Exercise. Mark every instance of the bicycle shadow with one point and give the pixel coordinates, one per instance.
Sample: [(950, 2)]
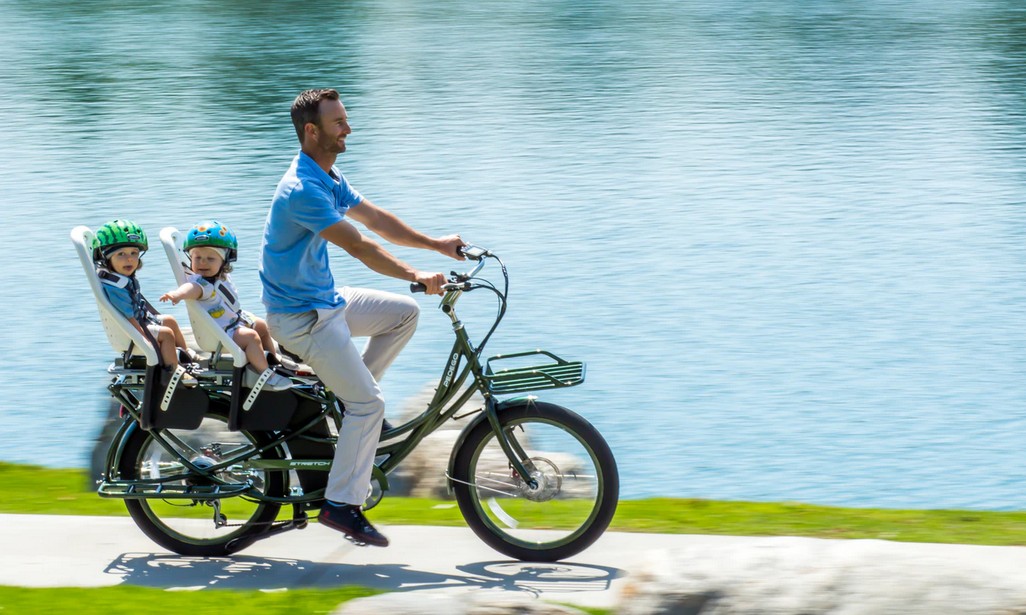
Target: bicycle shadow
[(267, 573)]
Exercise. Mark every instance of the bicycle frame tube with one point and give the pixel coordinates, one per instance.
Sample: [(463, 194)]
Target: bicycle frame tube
[(448, 398), (448, 385), (446, 402)]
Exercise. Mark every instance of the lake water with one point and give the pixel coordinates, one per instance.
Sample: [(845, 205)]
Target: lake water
[(789, 237)]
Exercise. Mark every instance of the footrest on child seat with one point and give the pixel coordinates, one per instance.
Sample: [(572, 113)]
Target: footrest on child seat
[(562, 373)]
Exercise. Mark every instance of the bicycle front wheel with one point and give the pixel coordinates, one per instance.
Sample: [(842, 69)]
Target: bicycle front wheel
[(574, 492), (208, 528)]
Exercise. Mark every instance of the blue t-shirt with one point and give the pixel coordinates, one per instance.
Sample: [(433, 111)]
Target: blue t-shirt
[(294, 265), (124, 295), (121, 298)]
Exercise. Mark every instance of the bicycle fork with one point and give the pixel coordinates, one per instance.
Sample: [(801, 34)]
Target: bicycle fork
[(514, 452)]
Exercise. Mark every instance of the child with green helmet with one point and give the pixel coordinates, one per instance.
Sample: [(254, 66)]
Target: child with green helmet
[(212, 248), (117, 251)]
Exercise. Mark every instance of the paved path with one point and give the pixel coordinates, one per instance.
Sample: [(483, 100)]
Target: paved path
[(62, 551)]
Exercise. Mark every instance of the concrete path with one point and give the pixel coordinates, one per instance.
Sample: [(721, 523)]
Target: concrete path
[(63, 551)]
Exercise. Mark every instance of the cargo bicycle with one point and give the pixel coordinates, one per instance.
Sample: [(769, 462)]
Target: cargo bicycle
[(209, 470)]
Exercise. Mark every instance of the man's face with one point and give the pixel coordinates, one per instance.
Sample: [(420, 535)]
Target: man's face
[(333, 127)]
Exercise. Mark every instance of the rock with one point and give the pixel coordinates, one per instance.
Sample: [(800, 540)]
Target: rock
[(443, 602), (422, 474), (809, 576)]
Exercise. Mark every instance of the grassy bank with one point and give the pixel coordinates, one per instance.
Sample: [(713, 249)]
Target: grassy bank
[(130, 600), (36, 490)]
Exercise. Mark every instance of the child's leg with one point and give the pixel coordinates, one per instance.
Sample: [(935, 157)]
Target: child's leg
[(260, 325), (249, 342), (169, 321), (166, 343)]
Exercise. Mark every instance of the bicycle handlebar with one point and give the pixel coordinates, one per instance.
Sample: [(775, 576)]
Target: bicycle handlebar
[(460, 281), (417, 287)]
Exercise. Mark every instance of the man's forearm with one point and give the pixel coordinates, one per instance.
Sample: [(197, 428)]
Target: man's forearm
[(390, 227), (379, 260)]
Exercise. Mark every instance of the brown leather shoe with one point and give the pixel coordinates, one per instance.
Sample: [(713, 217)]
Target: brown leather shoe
[(349, 519)]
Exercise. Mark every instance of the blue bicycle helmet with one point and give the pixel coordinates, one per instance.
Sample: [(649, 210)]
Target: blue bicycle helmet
[(212, 234)]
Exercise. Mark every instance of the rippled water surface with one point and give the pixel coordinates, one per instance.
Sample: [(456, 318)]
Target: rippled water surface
[(788, 237)]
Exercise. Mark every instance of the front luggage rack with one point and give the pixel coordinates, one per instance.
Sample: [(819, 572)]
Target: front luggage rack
[(560, 374)]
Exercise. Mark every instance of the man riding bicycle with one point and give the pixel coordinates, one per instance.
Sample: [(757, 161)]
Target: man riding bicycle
[(313, 319)]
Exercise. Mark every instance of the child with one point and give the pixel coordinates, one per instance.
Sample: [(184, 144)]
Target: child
[(117, 252), (212, 248)]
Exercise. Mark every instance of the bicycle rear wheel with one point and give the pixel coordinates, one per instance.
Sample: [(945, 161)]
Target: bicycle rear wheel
[(208, 528), (576, 491)]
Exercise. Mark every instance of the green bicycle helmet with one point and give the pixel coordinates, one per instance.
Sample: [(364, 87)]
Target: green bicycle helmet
[(212, 234), (118, 234)]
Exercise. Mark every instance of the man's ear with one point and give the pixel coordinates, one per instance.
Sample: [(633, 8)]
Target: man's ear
[(310, 130)]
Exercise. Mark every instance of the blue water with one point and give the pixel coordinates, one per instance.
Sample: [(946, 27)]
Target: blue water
[(787, 237)]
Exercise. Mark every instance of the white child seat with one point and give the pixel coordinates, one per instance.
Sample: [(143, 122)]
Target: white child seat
[(210, 336), (121, 334), (256, 409)]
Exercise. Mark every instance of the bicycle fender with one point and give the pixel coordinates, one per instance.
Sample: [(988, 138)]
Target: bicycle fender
[(117, 446), (482, 417)]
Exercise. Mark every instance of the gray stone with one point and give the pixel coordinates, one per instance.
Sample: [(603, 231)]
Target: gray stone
[(422, 473), (808, 576), (442, 602)]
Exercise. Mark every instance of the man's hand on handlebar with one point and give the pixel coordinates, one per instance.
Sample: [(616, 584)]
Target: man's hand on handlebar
[(450, 246), (432, 282)]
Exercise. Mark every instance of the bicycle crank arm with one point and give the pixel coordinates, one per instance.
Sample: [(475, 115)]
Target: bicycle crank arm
[(298, 522)]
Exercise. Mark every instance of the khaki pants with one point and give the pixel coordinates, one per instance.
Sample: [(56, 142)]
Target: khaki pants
[(323, 340)]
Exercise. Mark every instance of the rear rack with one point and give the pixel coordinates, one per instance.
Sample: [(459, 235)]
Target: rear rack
[(560, 374)]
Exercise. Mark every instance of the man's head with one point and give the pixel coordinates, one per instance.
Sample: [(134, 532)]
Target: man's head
[(320, 121)]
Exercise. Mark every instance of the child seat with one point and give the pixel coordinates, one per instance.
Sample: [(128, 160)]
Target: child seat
[(165, 402), (250, 408)]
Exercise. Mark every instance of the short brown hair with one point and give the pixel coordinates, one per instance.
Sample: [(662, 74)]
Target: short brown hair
[(306, 109)]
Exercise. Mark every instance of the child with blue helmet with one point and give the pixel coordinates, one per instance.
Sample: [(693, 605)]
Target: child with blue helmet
[(212, 248), (118, 247)]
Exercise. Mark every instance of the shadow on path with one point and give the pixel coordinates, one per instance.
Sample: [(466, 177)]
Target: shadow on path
[(241, 572)]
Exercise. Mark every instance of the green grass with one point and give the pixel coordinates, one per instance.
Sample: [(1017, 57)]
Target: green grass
[(131, 600), (30, 489), (45, 491), (794, 519)]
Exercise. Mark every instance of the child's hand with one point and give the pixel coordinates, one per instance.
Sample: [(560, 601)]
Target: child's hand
[(185, 291)]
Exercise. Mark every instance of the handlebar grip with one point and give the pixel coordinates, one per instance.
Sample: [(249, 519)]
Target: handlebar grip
[(417, 287)]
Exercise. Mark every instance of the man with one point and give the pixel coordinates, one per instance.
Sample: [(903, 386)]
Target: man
[(313, 319)]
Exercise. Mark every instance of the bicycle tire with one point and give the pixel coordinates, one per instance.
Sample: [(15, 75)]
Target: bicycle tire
[(195, 533), (577, 484)]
